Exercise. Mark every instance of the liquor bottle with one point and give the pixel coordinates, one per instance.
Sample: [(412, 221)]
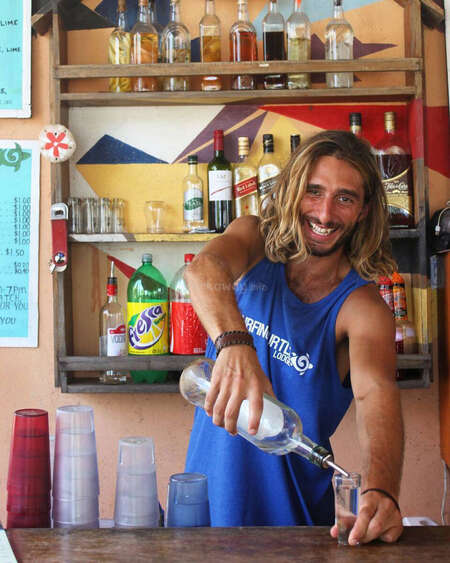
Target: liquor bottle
[(280, 430), (295, 142), (220, 205), (145, 48), (192, 196), (176, 46), (119, 49), (339, 47), (187, 335), (243, 46), (147, 317), (394, 160), (245, 182), (210, 48), (268, 169), (385, 289), (405, 332), (155, 23), (298, 28), (112, 341), (355, 122), (273, 41)]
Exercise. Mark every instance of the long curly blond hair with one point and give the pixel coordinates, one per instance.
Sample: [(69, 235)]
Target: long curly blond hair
[(369, 248)]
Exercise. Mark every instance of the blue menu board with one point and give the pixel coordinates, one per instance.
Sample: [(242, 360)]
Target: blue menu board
[(19, 243), (15, 58)]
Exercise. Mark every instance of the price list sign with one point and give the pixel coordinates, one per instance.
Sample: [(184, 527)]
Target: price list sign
[(15, 58), (19, 243)]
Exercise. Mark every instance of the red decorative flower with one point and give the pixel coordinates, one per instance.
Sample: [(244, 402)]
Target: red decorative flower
[(55, 142)]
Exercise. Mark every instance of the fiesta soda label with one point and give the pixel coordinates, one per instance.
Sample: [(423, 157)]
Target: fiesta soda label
[(187, 335), (148, 330)]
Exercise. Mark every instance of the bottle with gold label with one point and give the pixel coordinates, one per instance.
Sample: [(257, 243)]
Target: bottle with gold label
[(245, 182), (394, 160), (268, 169), (119, 49), (145, 48)]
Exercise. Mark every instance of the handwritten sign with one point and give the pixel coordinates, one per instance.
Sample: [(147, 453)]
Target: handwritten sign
[(15, 58), (19, 242)]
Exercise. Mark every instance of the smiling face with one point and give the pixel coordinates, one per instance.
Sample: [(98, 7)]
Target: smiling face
[(332, 205)]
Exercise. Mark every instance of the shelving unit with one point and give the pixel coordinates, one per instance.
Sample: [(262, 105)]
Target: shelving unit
[(409, 242)]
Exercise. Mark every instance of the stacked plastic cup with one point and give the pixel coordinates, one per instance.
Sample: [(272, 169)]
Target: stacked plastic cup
[(75, 473), (136, 503), (187, 501), (29, 484)]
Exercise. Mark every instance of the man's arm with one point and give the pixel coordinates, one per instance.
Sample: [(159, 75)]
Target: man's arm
[(237, 374), (371, 334)]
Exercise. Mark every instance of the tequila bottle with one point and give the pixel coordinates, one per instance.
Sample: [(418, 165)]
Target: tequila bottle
[(145, 48), (298, 28), (176, 48), (273, 41), (155, 23), (280, 430), (243, 46), (245, 182), (210, 48), (339, 47), (192, 196), (119, 49), (268, 169)]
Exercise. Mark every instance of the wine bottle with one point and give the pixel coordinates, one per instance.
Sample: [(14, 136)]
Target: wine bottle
[(210, 48), (243, 46), (273, 41), (220, 205), (245, 182), (298, 28), (145, 48), (339, 47), (119, 52)]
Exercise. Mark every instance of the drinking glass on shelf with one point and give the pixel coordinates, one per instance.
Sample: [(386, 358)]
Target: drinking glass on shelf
[(105, 215), (118, 215), (187, 501), (346, 499), (75, 215), (89, 215), (154, 216)]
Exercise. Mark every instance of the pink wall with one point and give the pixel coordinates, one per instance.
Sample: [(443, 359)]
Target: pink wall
[(26, 380)]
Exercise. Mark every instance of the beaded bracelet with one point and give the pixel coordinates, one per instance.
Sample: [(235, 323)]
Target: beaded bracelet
[(385, 493), (233, 338)]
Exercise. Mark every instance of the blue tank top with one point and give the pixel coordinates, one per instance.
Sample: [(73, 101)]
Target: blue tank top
[(295, 343)]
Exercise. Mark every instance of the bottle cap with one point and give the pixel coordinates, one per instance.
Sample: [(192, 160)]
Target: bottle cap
[(147, 258), (243, 145), (295, 142), (389, 117), (397, 278), (355, 118), (192, 159), (188, 258), (218, 140), (268, 142), (121, 5), (384, 280)]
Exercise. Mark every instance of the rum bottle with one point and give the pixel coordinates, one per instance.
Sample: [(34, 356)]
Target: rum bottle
[(176, 48), (268, 170), (339, 47), (394, 160), (145, 48), (298, 28), (405, 332), (192, 196), (220, 205), (245, 182), (243, 46), (273, 41), (112, 341), (210, 48), (119, 49), (355, 122)]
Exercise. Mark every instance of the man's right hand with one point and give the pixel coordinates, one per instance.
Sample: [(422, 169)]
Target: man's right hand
[(237, 375)]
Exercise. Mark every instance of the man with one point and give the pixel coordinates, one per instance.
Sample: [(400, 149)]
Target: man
[(287, 299)]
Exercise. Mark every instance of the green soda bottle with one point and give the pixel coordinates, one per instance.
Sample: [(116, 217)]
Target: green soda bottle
[(147, 318)]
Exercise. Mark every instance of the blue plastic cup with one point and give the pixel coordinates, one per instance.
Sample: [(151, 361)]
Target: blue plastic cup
[(187, 501)]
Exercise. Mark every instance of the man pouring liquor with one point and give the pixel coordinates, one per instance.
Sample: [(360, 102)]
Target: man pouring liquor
[(289, 304)]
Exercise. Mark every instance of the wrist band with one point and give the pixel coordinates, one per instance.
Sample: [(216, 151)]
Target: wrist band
[(233, 338), (386, 494)]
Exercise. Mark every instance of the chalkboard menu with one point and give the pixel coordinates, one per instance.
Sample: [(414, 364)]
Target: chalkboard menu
[(19, 243), (15, 58)]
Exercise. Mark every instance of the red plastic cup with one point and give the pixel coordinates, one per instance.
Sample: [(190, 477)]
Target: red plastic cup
[(27, 521), (32, 486), (30, 423), (29, 505)]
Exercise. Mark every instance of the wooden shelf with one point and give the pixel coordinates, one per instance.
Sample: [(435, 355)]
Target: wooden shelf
[(404, 233), (142, 237)]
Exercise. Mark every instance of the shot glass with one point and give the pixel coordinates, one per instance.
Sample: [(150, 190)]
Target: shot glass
[(346, 501), (187, 501), (154, 216)]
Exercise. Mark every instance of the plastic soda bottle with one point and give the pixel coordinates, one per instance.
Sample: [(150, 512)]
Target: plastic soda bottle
[(147, 317), (187, 335)]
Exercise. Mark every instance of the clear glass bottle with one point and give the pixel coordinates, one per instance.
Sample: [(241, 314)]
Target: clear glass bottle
[(280, 430), (176, 48), (210, 47), (119, 49), (273, 41), (339, 47), (393, 156), (245, 182), (243, 46), (355, 122), (405, 332), (192, 196), (145, 48), (112, 341), (268, 169), (298, 29), (155, 23), (220, 187)]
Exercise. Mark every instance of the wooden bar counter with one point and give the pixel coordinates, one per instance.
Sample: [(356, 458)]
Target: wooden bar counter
[(217, 545)]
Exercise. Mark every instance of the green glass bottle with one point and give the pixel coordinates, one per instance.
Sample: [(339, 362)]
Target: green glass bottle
[(220, 187), (147, 318)]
